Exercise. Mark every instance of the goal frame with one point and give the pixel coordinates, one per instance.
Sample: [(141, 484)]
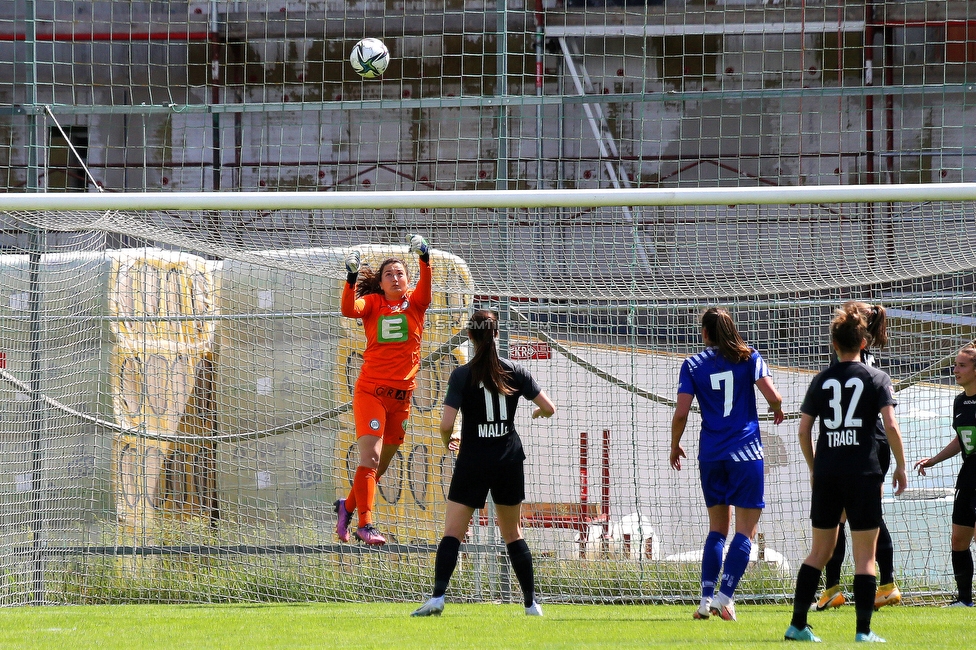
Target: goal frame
[(598, 534), (565, 198)]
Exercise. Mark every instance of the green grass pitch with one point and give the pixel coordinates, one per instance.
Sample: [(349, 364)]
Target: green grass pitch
[(481, 626)]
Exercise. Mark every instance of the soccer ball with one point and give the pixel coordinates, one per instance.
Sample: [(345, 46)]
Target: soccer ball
[(369, 58)]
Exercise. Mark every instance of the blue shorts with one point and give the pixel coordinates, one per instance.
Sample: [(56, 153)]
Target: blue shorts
[(733, 483)]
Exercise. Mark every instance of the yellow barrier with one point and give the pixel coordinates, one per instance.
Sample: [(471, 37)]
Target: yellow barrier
[(254, 351), (162, 383)]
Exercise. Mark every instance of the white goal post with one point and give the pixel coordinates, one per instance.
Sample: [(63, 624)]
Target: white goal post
[(552, 198), (175, 381)]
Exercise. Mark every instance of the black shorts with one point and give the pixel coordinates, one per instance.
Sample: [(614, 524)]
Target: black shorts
[(472, 482), (884, 456), (964, 505), (860, 496)]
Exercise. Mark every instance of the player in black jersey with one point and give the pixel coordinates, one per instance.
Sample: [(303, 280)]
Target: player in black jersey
[(486, 391), (964, 505), (888, 592), (847, 399)]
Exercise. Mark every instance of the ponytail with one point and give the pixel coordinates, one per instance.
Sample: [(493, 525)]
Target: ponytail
[(877, 327), (877, 322), (486, 365), (721, 333)]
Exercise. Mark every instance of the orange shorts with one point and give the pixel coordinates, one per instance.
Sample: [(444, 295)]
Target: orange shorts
[(381, 411)]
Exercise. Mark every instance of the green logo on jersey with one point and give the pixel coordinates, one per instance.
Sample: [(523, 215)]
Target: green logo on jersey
[(392, 329), (967, 439)]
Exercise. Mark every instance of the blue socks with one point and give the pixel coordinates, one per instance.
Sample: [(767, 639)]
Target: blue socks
[(736, 561), (711, 562)]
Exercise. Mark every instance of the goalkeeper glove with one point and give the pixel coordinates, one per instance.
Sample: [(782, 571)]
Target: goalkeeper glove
[(419, 246), (352, 266)]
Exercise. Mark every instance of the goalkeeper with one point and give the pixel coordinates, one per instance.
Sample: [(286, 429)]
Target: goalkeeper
[(393, 320), (490, 456), (730, 455)]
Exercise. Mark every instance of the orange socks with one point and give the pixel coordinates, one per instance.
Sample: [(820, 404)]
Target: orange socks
[(351, 499), (363, 494)]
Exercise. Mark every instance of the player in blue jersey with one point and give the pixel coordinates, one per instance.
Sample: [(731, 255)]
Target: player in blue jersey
[(845, 471), (964, 504), (730, 450)]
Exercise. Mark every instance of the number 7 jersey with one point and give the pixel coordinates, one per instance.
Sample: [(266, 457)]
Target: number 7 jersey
[(727, 399)]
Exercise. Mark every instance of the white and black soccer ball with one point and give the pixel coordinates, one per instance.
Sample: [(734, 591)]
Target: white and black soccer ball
[(370, 58)]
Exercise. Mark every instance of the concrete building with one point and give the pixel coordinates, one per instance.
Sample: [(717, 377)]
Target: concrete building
[(259, 96)]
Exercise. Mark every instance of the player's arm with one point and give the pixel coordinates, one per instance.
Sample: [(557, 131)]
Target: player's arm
[(349, 305), (948, 451), (678, 423), (422, 292), (806, 439), (545, 409), (452, 405), (773, 398), (448, 418), (899, 479)]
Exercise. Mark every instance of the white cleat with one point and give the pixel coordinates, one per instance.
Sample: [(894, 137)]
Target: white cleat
[(722, 607), (432, 607), (535, 609)]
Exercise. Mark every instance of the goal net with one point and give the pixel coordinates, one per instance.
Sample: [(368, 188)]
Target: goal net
[(179, 184), (176, 411)]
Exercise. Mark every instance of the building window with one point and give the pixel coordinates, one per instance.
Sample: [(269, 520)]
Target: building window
[(65, 172)]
